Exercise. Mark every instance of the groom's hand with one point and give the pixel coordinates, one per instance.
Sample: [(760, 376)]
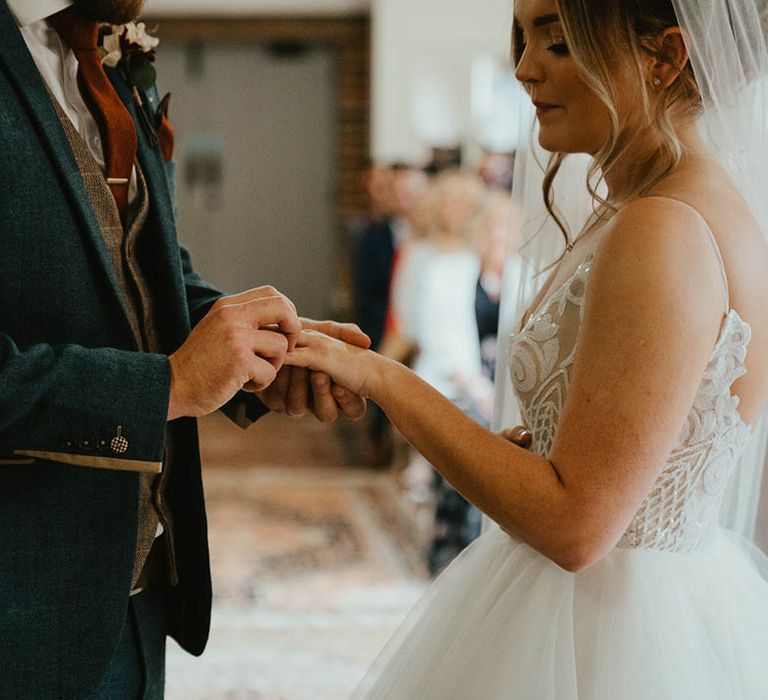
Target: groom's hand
[(296, 390), (241, 341)]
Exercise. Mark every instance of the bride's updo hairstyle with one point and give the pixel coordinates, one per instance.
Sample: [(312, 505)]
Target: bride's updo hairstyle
[(611, 41)]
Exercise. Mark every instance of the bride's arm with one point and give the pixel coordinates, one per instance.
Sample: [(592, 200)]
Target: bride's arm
[(652, 315)]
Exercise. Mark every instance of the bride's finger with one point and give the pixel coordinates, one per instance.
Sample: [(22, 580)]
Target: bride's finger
[(323, 404), (300, 357), (352, 406), (309, 338), (519, 435), (297, 399)]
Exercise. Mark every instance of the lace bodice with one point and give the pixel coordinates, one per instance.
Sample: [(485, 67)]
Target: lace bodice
[(681, 511)]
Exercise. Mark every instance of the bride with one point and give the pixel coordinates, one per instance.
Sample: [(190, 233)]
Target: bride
[(639, 368)]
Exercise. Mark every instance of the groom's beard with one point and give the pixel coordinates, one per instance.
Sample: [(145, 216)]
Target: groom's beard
[(109, 11)]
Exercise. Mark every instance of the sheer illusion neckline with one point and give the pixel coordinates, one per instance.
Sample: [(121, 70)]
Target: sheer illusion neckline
[(543, 306), (545, 302)]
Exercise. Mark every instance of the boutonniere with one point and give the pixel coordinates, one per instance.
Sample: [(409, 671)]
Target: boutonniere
[(130, 49)]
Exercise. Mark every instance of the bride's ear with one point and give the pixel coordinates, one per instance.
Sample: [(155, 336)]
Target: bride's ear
[(671, 58)]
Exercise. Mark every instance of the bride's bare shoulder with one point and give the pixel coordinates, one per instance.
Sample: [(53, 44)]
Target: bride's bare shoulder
[(681, 225), (656, 233), (655, 260), (656, 256)]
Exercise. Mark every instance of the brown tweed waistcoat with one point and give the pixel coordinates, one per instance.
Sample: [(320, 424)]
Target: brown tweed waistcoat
[(122, 245)]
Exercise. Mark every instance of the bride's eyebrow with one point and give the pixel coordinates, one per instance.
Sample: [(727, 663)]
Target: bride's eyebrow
[(544, 20), (541, 21)]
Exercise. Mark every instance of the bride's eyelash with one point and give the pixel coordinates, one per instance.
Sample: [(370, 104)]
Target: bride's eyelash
[(560, 49), (557, 44)]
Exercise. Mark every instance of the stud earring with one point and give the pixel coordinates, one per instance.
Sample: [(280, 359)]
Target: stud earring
[(657, 82)]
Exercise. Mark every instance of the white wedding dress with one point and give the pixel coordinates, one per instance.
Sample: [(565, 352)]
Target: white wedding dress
[(677, 611)]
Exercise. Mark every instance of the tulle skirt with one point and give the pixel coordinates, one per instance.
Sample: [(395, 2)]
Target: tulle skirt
[(503, 621)]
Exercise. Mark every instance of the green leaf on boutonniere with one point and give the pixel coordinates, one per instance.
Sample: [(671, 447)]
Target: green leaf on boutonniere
[(141, 72)]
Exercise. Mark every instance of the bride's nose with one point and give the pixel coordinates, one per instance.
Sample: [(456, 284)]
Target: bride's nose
[(529, 70)]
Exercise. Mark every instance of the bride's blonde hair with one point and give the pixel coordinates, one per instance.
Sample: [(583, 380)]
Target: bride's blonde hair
[(603, 35)]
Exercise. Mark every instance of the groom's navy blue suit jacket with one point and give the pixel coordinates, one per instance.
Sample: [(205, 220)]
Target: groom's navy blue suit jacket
[(70, 379)]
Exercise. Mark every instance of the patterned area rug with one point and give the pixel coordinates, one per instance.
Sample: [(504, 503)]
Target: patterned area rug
[(313, 564)]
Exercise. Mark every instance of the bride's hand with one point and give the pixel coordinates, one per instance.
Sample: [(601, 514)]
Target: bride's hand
[(349, 366)]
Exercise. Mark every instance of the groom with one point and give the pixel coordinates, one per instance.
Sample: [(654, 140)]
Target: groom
[(110, 347)]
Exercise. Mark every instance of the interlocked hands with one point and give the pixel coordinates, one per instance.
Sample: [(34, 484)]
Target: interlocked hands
[(241, 344), (297, 390)]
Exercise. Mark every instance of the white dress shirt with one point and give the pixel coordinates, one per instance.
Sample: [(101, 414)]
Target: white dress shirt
[(58, 67), (29, 11)]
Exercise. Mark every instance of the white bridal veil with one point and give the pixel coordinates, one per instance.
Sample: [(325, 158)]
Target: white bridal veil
[(727, 43)]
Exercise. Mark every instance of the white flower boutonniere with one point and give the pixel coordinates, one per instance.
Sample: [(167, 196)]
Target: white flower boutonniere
[(131, 49)]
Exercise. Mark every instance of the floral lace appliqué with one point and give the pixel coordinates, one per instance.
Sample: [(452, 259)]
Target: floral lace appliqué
[(681, 511)]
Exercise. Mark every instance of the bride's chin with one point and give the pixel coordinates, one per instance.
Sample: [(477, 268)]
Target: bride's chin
[(550, 142), (554, 142)]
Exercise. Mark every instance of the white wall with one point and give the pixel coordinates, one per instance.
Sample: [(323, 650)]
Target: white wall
[(254, 7), (423, 51)]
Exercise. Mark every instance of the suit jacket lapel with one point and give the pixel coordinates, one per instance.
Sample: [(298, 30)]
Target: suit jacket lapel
[(22, 72), (161, 203)]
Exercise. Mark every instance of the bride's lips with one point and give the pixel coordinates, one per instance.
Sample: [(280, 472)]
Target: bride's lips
[(543, 108)]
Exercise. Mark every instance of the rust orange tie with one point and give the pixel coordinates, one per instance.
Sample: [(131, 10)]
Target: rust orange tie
[(118, 132)]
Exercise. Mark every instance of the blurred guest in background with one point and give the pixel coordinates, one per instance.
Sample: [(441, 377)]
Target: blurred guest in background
[(373, 253), (377, 184), (496, 235), (496, 170), (443, 159), (394, 191), (401, 327), (445, 330), (499, 239), (433, 300), (443, 318)]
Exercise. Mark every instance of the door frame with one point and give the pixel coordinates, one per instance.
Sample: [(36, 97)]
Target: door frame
[(349, 38)]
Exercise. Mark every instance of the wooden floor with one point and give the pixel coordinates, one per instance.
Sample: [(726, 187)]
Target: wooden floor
[(314, 563)]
